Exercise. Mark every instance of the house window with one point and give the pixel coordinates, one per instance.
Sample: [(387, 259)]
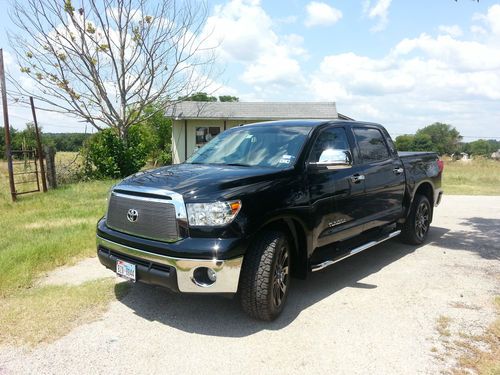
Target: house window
[(205, 134)]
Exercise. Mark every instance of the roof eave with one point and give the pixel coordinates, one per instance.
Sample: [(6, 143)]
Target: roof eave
[(253, 118)]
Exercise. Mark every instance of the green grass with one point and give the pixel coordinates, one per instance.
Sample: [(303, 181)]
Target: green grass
[(42, 231), (44, 314), (475, 177)]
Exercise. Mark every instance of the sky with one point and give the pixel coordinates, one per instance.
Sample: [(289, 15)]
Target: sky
[(404, 64)]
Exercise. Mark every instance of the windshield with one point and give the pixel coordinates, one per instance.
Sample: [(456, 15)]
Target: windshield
[(263, 146)]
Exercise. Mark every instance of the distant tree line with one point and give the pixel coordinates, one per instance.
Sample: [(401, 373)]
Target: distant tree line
[(445, 140), (25, 139), (204, 97)]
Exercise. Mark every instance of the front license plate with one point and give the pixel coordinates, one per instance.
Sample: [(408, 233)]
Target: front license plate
[(125, 270)]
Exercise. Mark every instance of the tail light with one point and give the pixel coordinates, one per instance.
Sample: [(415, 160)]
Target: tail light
[(440, 165)]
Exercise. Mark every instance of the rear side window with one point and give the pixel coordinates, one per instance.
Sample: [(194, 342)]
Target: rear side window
[(371, 144)]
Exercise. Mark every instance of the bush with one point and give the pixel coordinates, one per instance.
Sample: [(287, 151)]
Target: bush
[(106, 155), (160, 130)]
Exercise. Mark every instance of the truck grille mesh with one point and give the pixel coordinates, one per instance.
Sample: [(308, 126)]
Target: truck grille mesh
[(155, 217)]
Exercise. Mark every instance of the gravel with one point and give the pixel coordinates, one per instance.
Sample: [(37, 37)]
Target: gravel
[(373, 313), (83, 271)]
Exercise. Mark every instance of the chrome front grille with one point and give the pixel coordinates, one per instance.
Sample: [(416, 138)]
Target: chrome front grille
[(142, 216)]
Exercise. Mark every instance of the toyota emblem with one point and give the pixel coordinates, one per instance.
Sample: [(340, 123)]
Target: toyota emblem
[(132, 215)]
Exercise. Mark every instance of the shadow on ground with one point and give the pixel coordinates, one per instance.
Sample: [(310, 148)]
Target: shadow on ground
[(218, 316), (482, 236)]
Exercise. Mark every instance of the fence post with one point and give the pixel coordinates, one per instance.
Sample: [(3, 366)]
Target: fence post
[(6, 124), (38, 146), (50, 155)]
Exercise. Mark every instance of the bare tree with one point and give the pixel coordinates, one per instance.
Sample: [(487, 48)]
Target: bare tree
[(105, 61)]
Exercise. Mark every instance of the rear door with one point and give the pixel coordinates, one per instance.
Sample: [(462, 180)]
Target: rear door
[(384, 178), (334, 196)]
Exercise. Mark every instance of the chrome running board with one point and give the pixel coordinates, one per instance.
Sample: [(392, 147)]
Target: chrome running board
[(326, 263)]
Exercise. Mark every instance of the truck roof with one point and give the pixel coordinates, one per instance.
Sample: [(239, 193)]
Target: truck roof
[(311, 123)]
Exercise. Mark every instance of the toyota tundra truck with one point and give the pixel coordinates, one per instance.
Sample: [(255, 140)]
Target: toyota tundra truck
[(265, 202)]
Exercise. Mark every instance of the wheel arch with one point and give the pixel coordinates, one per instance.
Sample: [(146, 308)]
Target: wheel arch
[(425, 188), (296, 232)]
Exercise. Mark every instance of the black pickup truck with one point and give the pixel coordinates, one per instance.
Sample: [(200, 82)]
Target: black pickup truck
[(261, 203)]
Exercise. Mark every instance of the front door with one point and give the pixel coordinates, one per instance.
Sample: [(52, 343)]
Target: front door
[(333, 193)]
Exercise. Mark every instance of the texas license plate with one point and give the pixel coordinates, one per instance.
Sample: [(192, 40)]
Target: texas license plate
[(125, 270)]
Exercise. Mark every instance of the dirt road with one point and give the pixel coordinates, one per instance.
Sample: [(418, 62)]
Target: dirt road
[(375, 313)]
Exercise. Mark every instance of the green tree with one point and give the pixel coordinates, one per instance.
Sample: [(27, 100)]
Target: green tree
[(444, 138), (161, 129), (204, 97), (423, 142), (198, 97), (24, 139), (405, 142), (228, 98), (13, 138), (107, 155), (494, 145), (480, 147), (65, 141)]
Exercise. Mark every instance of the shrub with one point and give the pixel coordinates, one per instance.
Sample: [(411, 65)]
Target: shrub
[(106, 155), (160, 129)]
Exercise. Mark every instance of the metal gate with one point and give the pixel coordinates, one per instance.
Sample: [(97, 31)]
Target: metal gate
[(25, 171)]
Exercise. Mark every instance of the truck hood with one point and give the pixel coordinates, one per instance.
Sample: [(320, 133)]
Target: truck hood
[(202, 182)]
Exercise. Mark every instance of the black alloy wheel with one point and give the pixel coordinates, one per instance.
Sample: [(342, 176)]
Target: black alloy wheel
[(422, 220), (265, 276), (281, 275)]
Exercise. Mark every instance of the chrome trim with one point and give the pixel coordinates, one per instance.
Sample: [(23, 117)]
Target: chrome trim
[(171, 197), (136, 198), (176, 199), (398, 170), (320, 266), (228, 271)]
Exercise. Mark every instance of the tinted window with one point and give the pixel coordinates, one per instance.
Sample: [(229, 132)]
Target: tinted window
[(263, 146), (371, 144), (330, 139)]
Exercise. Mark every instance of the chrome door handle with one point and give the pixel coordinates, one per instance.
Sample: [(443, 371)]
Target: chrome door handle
[(398, 170), (357, 178)]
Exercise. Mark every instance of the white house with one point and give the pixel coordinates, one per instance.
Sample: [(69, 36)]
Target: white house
[(195, 123)]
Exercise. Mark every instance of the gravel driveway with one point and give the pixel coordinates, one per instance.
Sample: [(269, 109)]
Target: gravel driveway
[(375, 313)]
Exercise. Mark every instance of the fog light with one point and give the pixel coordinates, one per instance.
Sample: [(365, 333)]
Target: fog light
[(211, 275), (204, 276)]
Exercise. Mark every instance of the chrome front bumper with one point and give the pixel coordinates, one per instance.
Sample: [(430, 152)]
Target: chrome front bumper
[(227, 271)]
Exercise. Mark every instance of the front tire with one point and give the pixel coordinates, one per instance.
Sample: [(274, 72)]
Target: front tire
[(416, 227), (265, 276)]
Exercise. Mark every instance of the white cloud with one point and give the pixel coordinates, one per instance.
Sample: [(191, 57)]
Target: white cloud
[(378, 11), (457, 54), (243, 32), (321, 14), (478, 30), (452, 30), (421, 80), (491, 19)]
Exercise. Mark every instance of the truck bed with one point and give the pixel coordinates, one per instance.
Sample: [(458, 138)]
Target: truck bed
[(411, 154)]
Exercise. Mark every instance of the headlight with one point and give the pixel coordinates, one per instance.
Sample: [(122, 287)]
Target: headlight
[(212, 214)]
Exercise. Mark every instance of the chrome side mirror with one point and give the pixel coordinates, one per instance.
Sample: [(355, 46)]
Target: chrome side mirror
[(333, 159)]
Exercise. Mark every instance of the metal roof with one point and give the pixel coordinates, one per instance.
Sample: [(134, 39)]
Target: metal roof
[(254, 110)]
